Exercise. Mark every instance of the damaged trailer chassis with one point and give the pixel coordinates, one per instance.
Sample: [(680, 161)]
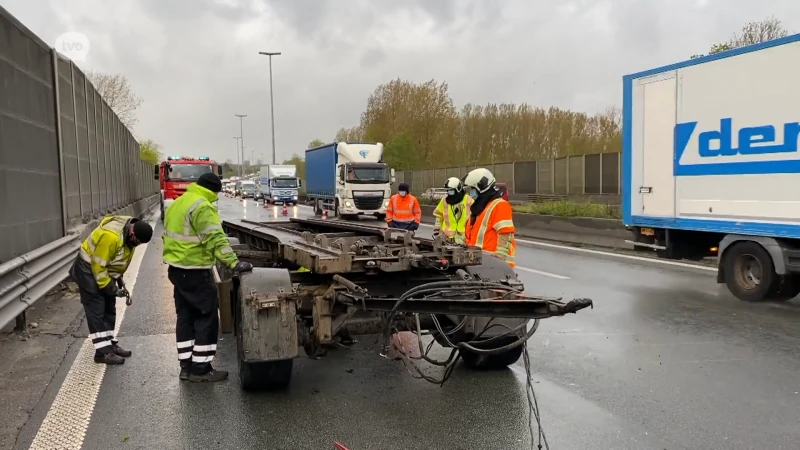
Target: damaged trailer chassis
[(318, 282)]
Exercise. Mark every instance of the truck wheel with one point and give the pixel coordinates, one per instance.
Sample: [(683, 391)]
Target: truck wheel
[(318, 208), (264, 376), (492, 362), (749, 272)]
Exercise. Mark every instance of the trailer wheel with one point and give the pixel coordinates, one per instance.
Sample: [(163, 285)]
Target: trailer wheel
[(499, 361), (318, 207), (749, 272)]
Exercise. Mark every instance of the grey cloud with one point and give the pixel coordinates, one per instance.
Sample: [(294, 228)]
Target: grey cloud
[(195, 62)]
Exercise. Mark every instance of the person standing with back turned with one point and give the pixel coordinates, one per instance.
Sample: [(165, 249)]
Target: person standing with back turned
[(193, 242)]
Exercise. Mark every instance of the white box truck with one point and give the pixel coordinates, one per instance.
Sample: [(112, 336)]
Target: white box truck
[(279, 184), (710, 165)]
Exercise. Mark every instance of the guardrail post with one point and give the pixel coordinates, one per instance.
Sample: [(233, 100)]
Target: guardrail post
[(21, 323), (601, 173)]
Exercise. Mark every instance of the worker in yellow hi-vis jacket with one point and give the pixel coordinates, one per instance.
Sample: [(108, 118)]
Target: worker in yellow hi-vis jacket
[(452, 212), (102, 260)]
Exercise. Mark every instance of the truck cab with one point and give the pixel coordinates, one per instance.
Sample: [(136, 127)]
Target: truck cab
[(280, 184), (176, 173)]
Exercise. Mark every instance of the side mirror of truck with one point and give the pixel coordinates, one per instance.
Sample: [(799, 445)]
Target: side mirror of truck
[(156, 171), (393, 180), (341, 182), (299, 182), (391, 172)]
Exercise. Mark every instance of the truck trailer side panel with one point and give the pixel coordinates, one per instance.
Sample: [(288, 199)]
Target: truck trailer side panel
[(711, 144), (321, 172)]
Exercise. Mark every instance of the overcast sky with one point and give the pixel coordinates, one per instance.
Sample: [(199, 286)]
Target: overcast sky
[(196, 62)]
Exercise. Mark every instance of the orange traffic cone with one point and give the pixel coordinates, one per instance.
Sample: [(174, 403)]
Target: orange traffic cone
[(324, 213), (265, 203), (285, 212)]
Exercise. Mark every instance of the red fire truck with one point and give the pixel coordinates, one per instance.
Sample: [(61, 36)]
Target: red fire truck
[(178, 172)]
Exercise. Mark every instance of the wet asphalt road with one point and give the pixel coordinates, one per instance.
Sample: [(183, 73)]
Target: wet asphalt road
[(665, 360)]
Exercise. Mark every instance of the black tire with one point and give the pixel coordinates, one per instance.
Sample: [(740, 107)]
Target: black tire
[(336, 209), (749, 272), (491, 362)]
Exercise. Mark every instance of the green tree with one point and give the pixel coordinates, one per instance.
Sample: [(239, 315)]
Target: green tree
[(150, 152), (751, 33), (395, 151), (316, 143), (300, 163)]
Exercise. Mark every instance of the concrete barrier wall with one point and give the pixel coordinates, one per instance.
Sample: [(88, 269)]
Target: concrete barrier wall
[(607, 233)]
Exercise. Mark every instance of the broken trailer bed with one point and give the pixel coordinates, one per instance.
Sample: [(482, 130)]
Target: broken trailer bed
[(317, 282)]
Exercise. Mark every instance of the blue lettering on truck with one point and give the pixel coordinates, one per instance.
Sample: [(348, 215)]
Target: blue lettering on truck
[(725, 158)]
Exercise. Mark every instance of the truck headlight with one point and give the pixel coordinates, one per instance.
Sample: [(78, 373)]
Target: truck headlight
[(294, 197), (386, 203), (347, 204)]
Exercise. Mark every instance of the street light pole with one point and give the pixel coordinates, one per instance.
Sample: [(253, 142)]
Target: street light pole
[(241, 135), (238, 157), (271, 104)]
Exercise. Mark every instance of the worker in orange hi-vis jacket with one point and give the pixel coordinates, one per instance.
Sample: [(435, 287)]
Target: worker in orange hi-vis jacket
[(490, 226), (403, 211)]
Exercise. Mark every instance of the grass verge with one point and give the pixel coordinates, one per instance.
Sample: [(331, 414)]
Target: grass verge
[(559, 208)]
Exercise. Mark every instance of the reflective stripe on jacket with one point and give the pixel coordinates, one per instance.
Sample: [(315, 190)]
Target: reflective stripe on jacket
[(403, 209), (493, 231), (105, 250), (452, 219), (193, 236)]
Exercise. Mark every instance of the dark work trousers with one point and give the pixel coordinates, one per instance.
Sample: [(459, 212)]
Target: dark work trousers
[(101, 316), (196, 305)]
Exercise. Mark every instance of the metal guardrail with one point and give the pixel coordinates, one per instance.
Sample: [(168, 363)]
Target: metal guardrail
[(27, 278)]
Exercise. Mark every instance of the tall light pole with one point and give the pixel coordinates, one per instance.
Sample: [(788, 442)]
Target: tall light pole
[(271, 105), (238, 156), (241, 135)]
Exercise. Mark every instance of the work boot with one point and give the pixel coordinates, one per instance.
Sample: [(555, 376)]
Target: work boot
[(121, 351), (184, 375), (210, 376), (111, 359)]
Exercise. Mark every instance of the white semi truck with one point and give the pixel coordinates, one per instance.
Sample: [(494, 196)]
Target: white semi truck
[(349, 178), (711, 167)]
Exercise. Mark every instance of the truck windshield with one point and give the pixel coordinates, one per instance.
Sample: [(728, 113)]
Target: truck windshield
[(374, 174), (187, 172), (248, 187), (284, 183)]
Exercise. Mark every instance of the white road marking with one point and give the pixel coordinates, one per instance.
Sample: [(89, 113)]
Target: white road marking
[(610, 254), (65, 425), (543, 273)]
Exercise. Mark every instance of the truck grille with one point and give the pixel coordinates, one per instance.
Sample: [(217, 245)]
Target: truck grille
[(368, 203)]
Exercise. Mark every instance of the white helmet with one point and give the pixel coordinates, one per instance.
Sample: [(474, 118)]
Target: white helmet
[(480, 179), (454, 183)]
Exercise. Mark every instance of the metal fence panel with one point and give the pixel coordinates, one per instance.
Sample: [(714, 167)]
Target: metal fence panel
[(560, 176), (91, 127), (545, 176), (504, 173), (610, 173), (82, 139), (69, 141), (525, 177), (30, 189), (591, 174), (575, 175)]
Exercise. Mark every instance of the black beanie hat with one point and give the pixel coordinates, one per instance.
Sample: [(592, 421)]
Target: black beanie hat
[(211, 182), (402, 187), (143, 231)]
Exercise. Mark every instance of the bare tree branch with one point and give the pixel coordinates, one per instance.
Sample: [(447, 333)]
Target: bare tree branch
[(117, 92)]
